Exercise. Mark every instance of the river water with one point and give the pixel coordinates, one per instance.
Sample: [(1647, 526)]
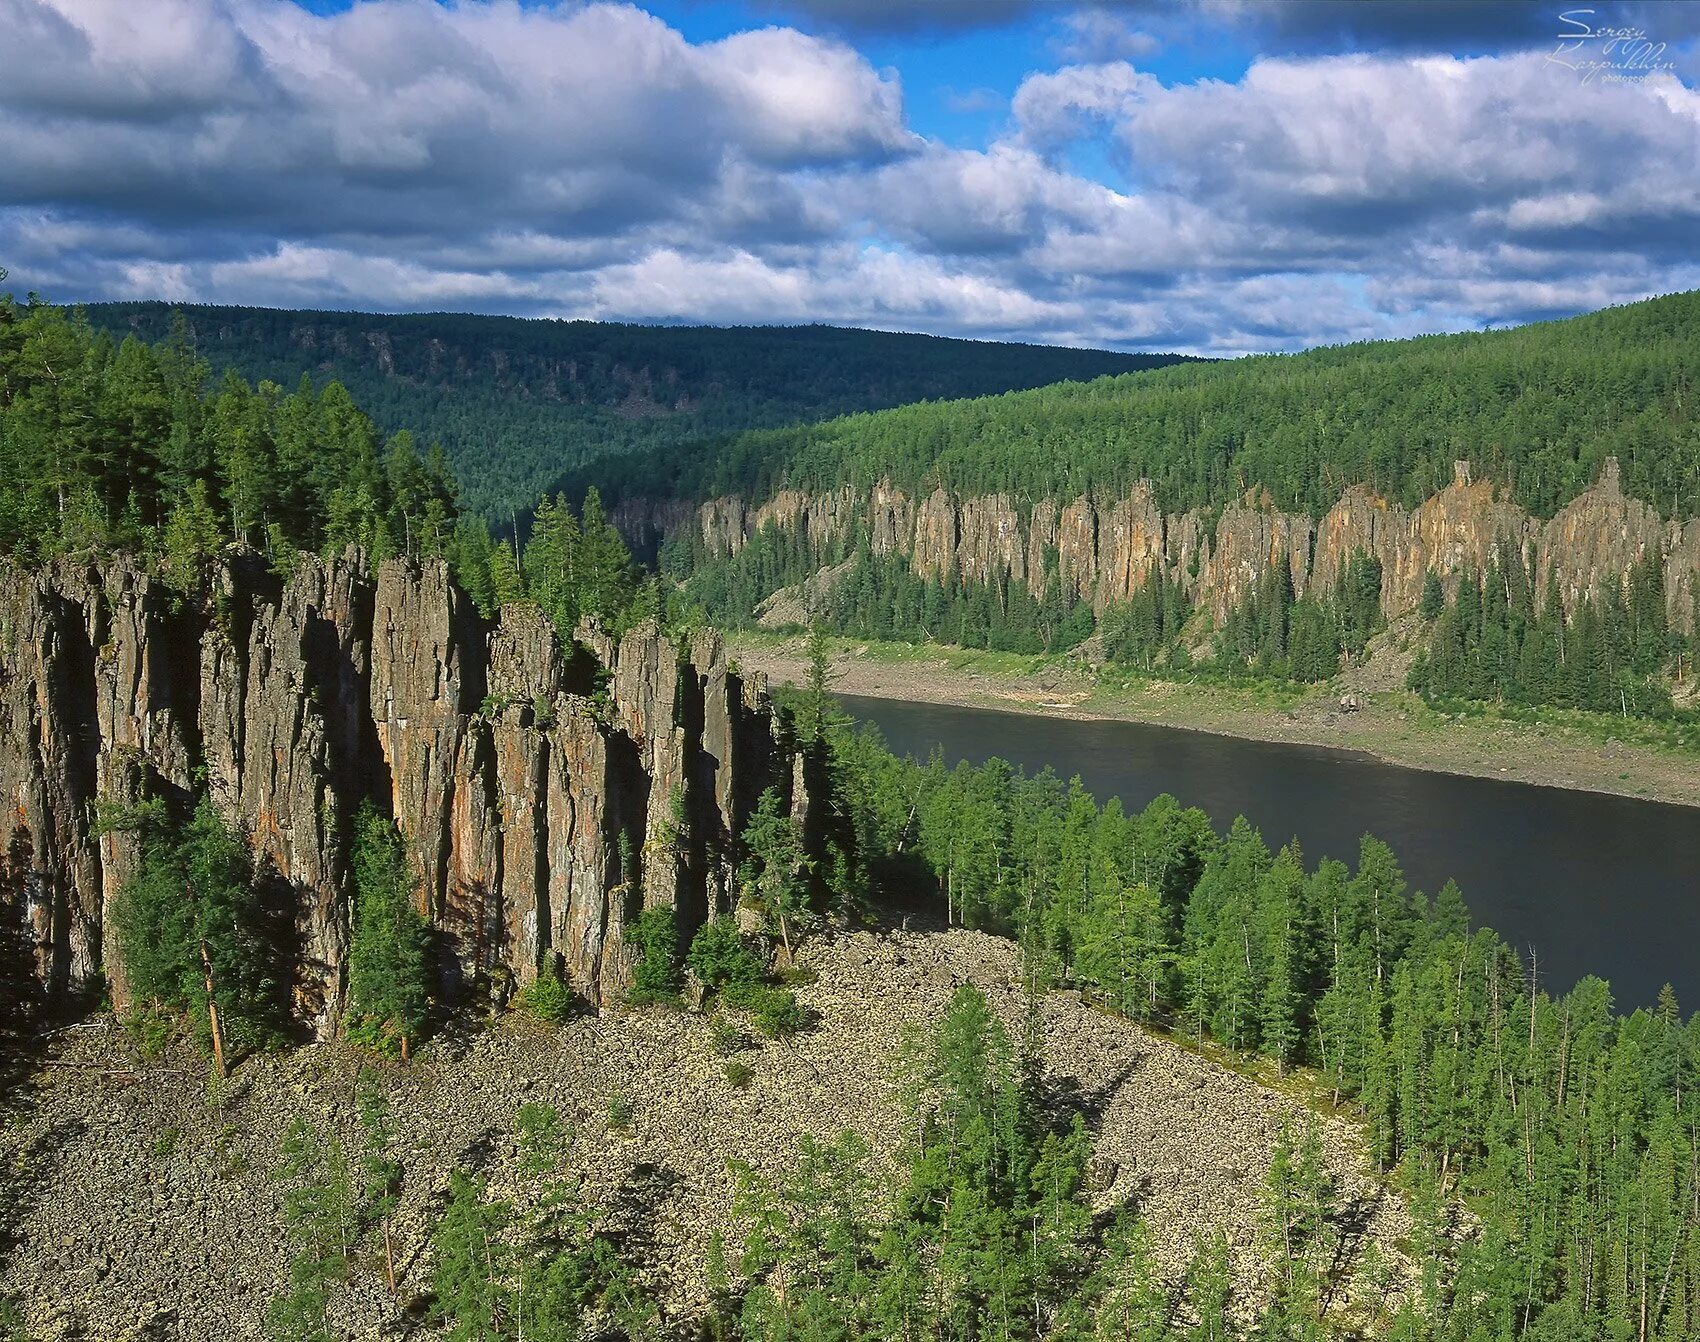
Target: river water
[(1591, 884)]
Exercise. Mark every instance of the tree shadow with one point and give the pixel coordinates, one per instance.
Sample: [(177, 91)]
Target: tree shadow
[(633, 1211)]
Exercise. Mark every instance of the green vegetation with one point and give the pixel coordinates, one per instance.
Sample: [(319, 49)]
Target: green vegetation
[(1538, 408), (543, 1266), (774, 1010), (990, 1233), (389, 960), (724, 962), (774, 876), (517, 402), (546, 997), (320, 1207), (1568, 1129), (1609, 655), (197, 936), (739, 1074), (719, 955), (655, 977), (131, 447), (106, 446)]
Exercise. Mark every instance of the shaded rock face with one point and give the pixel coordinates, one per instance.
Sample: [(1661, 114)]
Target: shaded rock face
[(1104, 550), (545, 792)]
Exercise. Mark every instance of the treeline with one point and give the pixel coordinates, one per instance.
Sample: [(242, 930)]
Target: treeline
[(135, 447), (865, 595), (1614, 652), (1611, 654), (109, 446), (1571, 1131), (518, 402), (1538, 408)]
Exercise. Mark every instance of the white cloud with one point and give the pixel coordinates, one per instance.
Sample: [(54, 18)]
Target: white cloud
[(1094, 35), (591, 160)]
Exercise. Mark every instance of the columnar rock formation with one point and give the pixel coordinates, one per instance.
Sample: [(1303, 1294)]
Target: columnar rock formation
[(1104, 550), (544, 791)]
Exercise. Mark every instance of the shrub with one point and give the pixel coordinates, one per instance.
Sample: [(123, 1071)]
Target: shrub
[(739, 1075), (619, 1113), (719, 955), (151, 1029), (656, 976), (776, 1011), (728, 1037), (542, 1136), (546, 998)]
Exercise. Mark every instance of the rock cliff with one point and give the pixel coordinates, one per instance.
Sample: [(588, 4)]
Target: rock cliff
[(1105, 549), (545, 790)]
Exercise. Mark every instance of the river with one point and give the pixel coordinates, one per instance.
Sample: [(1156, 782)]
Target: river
[(1591, 883)]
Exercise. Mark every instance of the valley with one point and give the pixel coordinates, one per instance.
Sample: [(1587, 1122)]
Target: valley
[(413, 924), (849, 671)]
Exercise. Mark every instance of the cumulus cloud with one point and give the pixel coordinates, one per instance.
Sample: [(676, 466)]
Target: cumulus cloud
[(1093, 35), (590, 160), (400, 115), (1290, 27)]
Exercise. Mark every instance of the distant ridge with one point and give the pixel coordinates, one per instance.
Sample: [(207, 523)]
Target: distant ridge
[(520, 402)]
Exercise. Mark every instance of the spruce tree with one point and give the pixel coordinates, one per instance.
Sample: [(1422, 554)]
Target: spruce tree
[(389, 960)]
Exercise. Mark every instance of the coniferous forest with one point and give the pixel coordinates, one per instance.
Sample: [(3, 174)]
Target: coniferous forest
[(849, 671), (1537, 409), (518, 404)]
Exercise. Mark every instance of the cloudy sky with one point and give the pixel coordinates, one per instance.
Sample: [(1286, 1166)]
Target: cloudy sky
[(1215, 176)]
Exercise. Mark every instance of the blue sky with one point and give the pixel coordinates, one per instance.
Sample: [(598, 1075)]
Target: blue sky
[(1215, 176)]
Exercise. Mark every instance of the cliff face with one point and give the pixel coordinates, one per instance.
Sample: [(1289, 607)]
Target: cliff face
[(1104, 550), (539, 810)]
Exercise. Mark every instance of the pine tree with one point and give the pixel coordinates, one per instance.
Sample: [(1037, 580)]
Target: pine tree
[(774, 874), (195, 936), (471, 1280)]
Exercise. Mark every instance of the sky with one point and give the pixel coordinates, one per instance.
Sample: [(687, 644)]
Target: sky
[(1205, 176)]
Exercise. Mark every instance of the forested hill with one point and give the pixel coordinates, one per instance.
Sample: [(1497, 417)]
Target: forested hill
[(519, 402), (1537, 408)]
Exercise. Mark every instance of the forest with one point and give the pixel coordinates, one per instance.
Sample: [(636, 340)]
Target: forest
[(518, 404), (129, 446), (1536, 408), (1498, 640)]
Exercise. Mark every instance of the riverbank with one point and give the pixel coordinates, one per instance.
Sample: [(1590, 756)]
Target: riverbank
[(1570, 750)]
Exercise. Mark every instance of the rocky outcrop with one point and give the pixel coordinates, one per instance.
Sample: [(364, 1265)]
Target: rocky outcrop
[(544, 790), (1104, 550)]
